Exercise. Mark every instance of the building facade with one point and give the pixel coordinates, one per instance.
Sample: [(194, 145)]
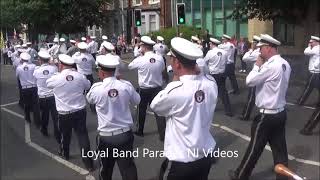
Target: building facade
[(213, 15), (150, 15)]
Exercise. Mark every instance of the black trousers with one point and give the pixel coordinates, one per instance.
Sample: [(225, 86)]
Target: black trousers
[(313, 121), (47, 106), (5, 58), (197, 170), (246, 112), (266, 128), (230, 68), (121, 142), (20, 94), (77, 122), (313, 82), (147, 96), (31, 103), (243, 64), (90, 78), (94, 55), (222, 91)]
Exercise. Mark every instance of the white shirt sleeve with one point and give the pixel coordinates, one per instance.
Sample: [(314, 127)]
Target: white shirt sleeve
[(86, 83), (161, 104), (308, 51), (134, 96), (250, 56), (17, 72), (91, 98), (259, 75), (135, 63), (52, 82)]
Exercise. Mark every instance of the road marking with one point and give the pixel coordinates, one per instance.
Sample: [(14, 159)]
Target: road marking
[(89, 177), (293, 104), (37, 147), (4, 105), (267, 147), (13, 113)]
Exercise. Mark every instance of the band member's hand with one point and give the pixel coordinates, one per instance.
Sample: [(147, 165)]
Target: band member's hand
[(259, 61)]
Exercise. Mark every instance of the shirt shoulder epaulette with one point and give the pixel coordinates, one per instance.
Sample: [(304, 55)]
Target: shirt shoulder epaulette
[(173, 85)]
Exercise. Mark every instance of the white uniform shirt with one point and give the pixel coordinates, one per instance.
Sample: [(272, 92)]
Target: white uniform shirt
[(188, 106), (33, 53), (160, 49), (230, 48), (42, 73), (16, 61), (24, 73), (54, 50), (101, 45), (150, 68), (216, 60), (112, 98), (93, 47), (314, 60), (85, 62), (62, 49), (202, 66), (271, 81), (251, 56), (136, 51), (69, 88)]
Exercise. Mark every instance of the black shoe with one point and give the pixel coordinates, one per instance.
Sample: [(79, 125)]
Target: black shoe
[(243, 118), (305, 132), (37, 126), (234, 92), (66, 155), (60, 151), (44, 132), (138, 133), (90, 169), (232, 175), (229, 114)]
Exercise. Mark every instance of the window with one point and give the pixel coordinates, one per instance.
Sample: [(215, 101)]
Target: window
[(137, 2), (143, 24), (153, 22), (154, 1), (284, 32)]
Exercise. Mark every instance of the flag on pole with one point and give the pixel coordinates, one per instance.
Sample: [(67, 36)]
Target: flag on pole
[(14, 33), (2, 43)]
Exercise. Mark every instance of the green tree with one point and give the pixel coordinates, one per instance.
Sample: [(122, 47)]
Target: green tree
[(294, 11), (52, 16)]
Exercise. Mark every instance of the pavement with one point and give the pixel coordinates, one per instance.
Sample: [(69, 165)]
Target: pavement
[(26, 154)]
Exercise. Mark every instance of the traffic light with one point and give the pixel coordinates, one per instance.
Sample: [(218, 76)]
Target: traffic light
[(137, 17), (181, 16)]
